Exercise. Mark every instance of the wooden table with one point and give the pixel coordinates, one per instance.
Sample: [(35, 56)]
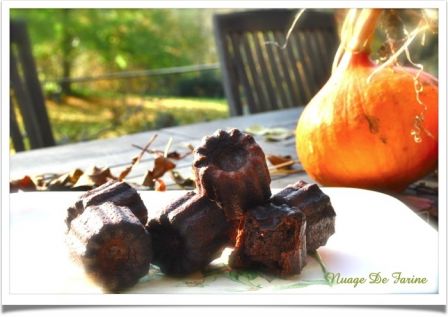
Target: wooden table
[(117, 153)]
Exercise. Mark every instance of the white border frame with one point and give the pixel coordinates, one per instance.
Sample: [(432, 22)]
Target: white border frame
[(227, 299)]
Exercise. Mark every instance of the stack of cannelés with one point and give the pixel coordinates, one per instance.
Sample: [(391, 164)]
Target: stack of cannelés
[(111, 234)]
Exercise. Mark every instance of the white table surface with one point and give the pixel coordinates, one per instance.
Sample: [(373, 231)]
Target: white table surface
[(375, 233)]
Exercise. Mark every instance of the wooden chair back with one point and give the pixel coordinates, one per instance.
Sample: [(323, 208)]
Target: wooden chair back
[(26, 94), (260, 77)]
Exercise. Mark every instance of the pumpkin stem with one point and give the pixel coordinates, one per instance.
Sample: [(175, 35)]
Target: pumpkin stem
[(364, 29), (357, 31)]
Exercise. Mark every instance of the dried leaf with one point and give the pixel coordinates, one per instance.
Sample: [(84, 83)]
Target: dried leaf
[(181, 181), (25, 183), (256, 129), (125, 172), (61, 182), (94, 176), (174, 155), (64, 181), (136, 159), (278, 134), (148, 179), (280, 161), (161, 166), (40, 181), (160, 185), (270, 134), (177, 156), (75, 175), (100, 175)]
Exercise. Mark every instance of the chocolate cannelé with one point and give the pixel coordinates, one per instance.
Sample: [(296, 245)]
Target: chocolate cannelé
[(188, 234), (230, 169), (272, 239), (316, 206), (119, 193), (111, 244)]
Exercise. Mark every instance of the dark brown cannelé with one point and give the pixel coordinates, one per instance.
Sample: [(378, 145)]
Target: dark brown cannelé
[(230, 168), (272, 239), (111, 244), (119, 193), (320, 215), (188, 234)]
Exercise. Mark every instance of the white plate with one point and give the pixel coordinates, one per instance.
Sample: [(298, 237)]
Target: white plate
[(375, 234)]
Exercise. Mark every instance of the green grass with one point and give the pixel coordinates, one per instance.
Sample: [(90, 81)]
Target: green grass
[(78, 119)]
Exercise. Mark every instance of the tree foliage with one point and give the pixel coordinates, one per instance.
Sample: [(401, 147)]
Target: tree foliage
[(78, 42)]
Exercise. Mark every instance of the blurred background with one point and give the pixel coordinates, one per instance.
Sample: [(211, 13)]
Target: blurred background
[(111, 72)]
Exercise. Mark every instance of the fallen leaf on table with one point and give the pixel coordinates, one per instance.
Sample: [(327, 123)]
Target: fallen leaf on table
[(64, 181), (25, 183), (174, 155), (270, 134), (160, 185), (161, 166), (75, 175), (280, 161), (278, 134), (41, 181), (256, 129), (136, 159), (125, 172), (177, 156), (148, 179), (283, 165), (181, 181), (95, 176)]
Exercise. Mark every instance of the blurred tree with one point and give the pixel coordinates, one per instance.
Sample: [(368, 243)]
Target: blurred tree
[(79, 42), (67, 41)]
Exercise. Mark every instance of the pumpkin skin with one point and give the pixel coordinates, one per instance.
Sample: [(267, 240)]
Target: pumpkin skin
[(355, 133)]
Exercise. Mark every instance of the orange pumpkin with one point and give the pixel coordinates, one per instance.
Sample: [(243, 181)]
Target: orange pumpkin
[(357, 132)]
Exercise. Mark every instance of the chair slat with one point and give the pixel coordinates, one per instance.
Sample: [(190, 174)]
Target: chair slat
[(28, 92), (301, 66), (228, 69), (257, 85), (272, 68), (285, 69), (16, 135), (276, 70), (317, 59), (309, 68), (242, 74), (25, 102), (268, 77), (297, 81)]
